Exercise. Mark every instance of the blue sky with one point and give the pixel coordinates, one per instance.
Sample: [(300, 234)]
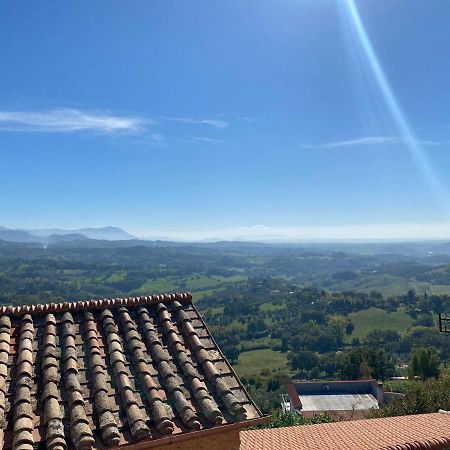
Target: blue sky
[(292, 119)]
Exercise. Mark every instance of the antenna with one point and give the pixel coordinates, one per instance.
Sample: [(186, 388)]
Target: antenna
[(444, 324)]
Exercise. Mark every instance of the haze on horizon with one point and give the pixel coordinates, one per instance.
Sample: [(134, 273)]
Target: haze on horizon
[(257, 120)]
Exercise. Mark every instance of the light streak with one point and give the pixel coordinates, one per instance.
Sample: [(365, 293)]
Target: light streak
[(392, 103)]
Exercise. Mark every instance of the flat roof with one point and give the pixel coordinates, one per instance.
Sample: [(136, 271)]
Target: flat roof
[(338, 402)]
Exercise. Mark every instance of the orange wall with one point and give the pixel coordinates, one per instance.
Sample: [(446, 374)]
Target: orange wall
[(219, 441)]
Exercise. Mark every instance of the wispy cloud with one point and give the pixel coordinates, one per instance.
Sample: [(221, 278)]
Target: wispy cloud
[(215, 123), (206, 139), (260, 232), (105, 123), (65, 120), (370, 141), (157, 137)]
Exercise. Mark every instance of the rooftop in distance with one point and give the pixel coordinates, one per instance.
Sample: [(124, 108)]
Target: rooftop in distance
[(341, 399)]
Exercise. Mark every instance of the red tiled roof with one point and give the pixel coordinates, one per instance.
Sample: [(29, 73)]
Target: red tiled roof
[(424, 431), (104, 373), (293, 396)]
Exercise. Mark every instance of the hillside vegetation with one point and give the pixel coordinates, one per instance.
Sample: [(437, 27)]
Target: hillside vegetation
[(276, 311)]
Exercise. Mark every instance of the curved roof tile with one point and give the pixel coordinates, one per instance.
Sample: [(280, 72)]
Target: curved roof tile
[(111, 372), (416, 432)]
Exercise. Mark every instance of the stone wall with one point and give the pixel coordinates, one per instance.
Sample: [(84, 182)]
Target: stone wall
[(389, 396)]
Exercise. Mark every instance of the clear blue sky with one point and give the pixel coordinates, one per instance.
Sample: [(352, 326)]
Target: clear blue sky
[(208, 118)]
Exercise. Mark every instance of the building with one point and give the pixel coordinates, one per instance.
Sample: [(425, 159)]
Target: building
[(139, 372), (343, 400), (419, 432)]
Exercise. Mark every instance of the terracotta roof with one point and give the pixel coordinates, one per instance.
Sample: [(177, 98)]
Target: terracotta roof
[(104, 373), (425, 431), (293, 396)]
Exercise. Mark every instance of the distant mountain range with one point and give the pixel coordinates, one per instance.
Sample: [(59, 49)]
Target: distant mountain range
[(55, 235)]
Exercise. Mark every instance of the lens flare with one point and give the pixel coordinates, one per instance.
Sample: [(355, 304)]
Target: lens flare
[(393, 106)]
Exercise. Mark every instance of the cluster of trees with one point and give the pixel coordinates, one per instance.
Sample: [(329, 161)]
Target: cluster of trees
[(310, 323), (265, 389), (287, 419), (31, 273), (364, 362), (229, 339), (423, 363), (90, 262), (420, 397), (313, 328)]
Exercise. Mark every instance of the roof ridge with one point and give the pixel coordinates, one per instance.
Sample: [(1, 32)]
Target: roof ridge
[(85, 305), (421, 444)]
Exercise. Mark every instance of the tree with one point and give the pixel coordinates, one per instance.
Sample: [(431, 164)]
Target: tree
[(349, 327), (386, 339), (425, 337), (423, 363), (256, 328), (421, 397), (424, 320), (349, 364), (231, 352), (366, 362), (411, 297), (328, 364), (288, 419), (381, 364), (379, 338), (284, 344), (303, 360)]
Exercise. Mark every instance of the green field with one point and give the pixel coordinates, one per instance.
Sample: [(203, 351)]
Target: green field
[(391, 285), (200, 282), (251, 363), (270, 307), (158, 285), (378, 319), (259, 343), (116, 276), (200, 285), (206, 293)]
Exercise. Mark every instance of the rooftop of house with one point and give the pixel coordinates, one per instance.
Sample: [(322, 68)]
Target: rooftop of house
[(417, 432), (315, 396), (103, 373), (340, 401)]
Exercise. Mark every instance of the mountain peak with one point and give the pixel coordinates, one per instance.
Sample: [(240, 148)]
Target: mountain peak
[(53, 235)]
